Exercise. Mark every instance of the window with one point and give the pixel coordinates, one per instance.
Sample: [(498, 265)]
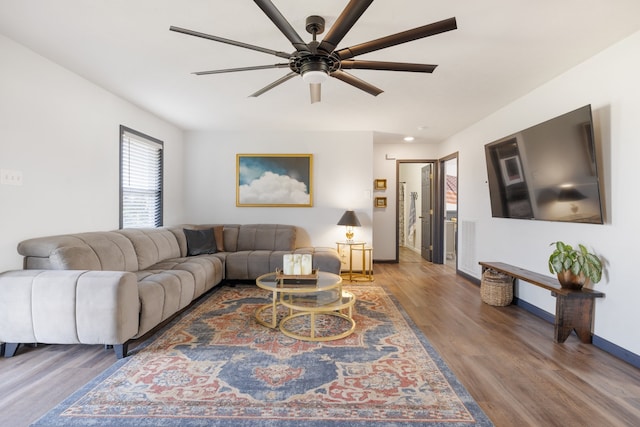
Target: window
[(140, 180)]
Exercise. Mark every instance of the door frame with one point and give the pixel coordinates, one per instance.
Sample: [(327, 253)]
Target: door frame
[(435, 165), (439, 209), (438, 197)]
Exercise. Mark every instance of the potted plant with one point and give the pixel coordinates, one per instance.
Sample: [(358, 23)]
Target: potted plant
[(574, 267)]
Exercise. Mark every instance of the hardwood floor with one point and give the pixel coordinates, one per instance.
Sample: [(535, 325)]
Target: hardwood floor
[(504, 356)]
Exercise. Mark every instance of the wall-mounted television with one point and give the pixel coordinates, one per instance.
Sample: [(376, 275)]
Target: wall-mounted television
[(547, 172)]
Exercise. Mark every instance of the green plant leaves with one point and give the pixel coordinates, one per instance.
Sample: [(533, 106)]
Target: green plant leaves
[(578, 261)]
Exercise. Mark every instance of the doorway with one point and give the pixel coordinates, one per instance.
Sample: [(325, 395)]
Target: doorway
[(450, 187), (415, 207), (427, 213)]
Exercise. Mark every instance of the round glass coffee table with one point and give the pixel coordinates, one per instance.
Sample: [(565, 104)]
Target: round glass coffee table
[(314, 301)]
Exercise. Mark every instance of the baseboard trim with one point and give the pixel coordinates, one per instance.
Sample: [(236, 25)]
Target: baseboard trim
[(469, 277), (619, 352), (536, 311), (604, 345)]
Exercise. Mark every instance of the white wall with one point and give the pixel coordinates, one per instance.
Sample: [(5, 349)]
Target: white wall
[(342, 176), (609, 82), (385, 157), (62, 133)]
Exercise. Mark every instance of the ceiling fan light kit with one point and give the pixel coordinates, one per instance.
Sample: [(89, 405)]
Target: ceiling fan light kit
[(317, 61)]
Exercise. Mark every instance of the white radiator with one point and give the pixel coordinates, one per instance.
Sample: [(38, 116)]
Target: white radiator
[(468, 261)]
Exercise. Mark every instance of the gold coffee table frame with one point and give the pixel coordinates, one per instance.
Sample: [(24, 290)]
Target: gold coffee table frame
[(293, 297), (299, 309)]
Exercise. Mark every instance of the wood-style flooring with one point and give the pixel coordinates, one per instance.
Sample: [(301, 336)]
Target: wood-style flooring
[(504, 356)]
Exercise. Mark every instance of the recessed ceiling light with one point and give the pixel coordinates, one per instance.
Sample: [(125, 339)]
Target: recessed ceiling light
[(423, 127), (408, 139)]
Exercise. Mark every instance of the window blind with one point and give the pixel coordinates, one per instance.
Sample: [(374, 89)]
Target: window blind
[(140, 180)]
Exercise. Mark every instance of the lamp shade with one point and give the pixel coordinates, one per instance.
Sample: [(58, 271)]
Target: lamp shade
[(570, 194), (349, 218)]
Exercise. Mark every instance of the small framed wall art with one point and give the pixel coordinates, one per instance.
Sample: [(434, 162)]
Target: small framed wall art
[(380, 184), (380, 202)]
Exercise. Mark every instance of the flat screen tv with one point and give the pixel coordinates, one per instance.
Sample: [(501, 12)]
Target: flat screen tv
[(547, 172)]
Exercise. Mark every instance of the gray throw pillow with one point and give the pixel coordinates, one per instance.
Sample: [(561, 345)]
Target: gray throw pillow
[(200, 241)]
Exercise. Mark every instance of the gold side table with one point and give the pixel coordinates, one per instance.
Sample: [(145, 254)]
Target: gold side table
[(366, 272)]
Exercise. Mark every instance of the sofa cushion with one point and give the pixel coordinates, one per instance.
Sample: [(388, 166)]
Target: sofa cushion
[(324, 259), (100, 250), (152, 245), (74, 258), (178, 232), (266, 237), (207, 270), (200, 241)]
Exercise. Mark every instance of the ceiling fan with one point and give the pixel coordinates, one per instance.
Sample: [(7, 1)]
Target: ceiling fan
[(316, 61)]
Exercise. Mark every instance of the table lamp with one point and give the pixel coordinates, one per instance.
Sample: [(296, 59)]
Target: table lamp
[(569, 194), (350, 220)]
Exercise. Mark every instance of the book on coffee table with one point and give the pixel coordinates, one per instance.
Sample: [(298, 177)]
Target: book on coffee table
[(297, 279)]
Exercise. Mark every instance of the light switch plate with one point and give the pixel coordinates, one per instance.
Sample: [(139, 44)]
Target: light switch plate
[(10, 177)]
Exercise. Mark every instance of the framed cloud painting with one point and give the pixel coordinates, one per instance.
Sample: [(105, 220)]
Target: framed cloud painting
[(274, 180)]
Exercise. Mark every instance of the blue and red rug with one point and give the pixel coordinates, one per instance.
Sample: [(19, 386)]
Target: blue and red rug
[(216, 366)]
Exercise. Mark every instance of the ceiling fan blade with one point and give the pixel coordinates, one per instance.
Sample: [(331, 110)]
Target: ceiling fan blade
[(356, 82), (283, 25), (315, 90), (386, 66), (399, 38), (274, 84), (231, 42), (232, 70), (343, 24)]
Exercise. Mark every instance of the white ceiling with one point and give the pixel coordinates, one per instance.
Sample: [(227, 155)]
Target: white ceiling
[(501, 50)]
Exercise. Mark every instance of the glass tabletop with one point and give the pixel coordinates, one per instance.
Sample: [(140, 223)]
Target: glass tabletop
[(326, 281)]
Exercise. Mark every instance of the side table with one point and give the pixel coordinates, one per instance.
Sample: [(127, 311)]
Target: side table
[(366, 274)]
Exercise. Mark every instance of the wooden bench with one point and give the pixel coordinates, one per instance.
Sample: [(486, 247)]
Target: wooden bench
[(574, 308)]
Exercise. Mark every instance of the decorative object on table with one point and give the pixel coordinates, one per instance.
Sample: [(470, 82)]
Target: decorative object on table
[(297, 279), (215, 365), (380, 184), (284, 180), (496, 288), (350, 220), (297, 264), (574, 267), (380, 202)]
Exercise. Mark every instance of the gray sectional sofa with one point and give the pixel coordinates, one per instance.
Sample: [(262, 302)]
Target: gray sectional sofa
[(114, 286)]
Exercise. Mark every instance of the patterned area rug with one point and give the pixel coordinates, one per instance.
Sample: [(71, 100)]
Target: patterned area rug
[(216, 366)]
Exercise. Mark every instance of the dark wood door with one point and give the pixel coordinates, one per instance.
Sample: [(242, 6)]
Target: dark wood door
[(426, 213)]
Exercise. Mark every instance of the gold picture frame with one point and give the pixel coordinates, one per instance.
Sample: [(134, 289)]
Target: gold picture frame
[(289, 178), (380, 202), (379, 184)]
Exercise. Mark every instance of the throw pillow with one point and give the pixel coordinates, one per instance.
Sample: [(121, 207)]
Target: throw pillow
[(200, 241), (218, 232)]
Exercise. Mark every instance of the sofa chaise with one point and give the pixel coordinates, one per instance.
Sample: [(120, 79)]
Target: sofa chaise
[(114, 286)]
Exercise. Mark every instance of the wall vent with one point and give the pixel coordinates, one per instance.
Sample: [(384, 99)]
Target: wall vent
[(467, 249)]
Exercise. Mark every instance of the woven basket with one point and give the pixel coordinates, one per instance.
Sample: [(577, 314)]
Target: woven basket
[(496, 288)]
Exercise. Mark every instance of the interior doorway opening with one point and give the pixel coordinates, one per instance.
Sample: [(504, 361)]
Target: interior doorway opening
[(450, 187), (427, 209), (415, 208)]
